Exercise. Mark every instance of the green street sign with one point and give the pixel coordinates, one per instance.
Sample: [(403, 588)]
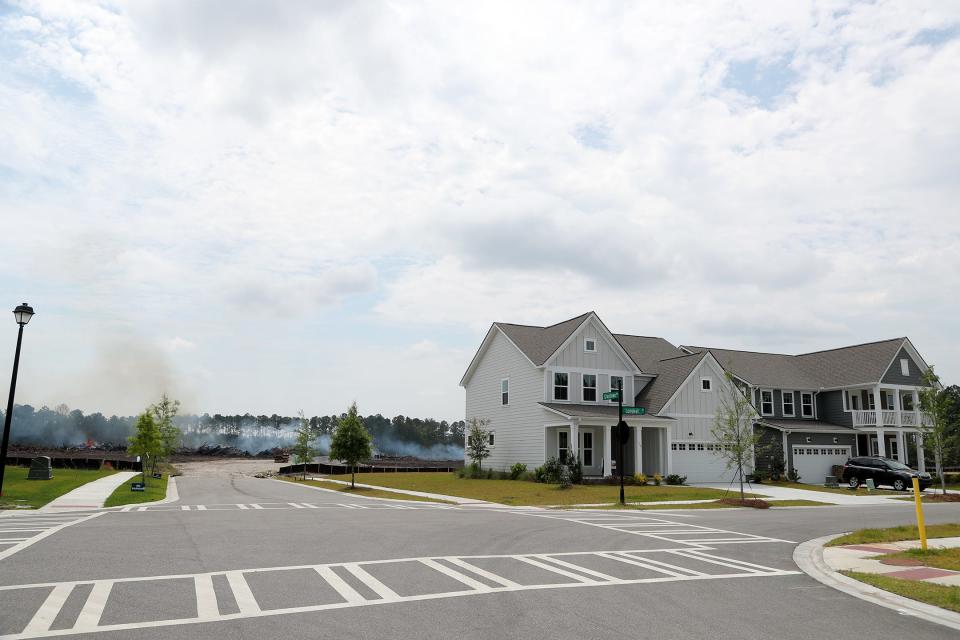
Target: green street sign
[(611, 395), (634, 411)]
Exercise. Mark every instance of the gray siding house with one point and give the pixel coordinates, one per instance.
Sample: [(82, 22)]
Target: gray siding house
[(542, 387)]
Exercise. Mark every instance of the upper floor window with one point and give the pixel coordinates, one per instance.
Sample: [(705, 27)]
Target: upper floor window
[(854, 404), (905, 366), (616, 384), (505, 391), (491, 438), (589, 387), (871, 401), (907, 401), (886, 400), (706, 384), (788, 403), (806, 405), (560, 386), (589, 345), (766, 402)]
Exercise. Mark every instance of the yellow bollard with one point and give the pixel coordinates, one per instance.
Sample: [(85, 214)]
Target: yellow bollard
[(919, 504)]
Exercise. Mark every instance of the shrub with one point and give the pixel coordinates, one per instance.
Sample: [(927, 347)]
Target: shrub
[(517, 470), (576, 470), (793, 476), (674, 478), (640, 478), (540, 474), (564, 477), (657, 479), (551, 470)]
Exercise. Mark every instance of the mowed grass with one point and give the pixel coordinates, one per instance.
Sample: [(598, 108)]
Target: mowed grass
[(946, 597), (896, 534), (709, 505), (940, 558), (524, 492), (153, 491), (360, 491), (17, 490)]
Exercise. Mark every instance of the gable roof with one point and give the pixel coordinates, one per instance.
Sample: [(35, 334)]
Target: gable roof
[(856, 364), (539, 343), (647, 351), (671, 373)]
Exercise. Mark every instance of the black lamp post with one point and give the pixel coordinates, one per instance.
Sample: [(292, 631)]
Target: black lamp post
[(22, 314)]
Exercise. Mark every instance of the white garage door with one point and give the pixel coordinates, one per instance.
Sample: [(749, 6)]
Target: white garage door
[(700, 462), (813, 463)]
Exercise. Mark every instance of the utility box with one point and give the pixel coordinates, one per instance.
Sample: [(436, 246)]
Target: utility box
[(40, 469), (831, 481)]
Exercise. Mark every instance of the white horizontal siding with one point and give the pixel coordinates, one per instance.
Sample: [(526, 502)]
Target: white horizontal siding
[(518, 426)]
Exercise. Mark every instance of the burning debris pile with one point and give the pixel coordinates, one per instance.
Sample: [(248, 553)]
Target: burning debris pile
[(225, 451)]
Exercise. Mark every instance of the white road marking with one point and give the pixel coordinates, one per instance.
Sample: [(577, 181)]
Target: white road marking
[(242, 506), (246, 602), (456, 575), (639, 563), (58, 525), (206, 596), (296, 506), (346, 592), (590, 572), (48, 611), (562, 572), (382, 590), (89, 618), (669, 567), (482, 572)]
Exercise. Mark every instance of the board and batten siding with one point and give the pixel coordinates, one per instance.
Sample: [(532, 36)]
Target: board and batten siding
[(693, 409), (605, 356), (519, 425), (895, 376)]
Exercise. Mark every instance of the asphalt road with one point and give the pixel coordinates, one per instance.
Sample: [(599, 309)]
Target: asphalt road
[(239, 557)]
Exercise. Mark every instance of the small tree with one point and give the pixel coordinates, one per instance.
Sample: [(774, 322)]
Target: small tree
[(145, 442), (935, 403), (351, 443), (478, 443), (163, 414), (733, 429), (303, 451)]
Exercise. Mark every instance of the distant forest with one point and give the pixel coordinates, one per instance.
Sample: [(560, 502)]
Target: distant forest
[(401, 435)]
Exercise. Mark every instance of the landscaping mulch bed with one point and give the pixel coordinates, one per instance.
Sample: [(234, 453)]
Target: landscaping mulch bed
[(754, 503), (950, 497)]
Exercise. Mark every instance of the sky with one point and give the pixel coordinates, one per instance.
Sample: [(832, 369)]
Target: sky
[(273, 207)]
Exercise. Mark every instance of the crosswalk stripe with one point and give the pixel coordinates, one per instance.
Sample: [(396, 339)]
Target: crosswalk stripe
[(456, 575), (48, 611), (482, 572), (346, 592), (89, 617), (246, 602), (640, 563), (296, 506), (382, 590), (206, 596), (670, 567), (576, 567), (562, 572)]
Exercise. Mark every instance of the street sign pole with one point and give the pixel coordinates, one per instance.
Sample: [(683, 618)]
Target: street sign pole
[(620, 435)]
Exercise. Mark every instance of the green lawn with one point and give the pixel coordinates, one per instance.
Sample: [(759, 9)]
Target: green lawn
[(17, 490), (861, 491), (709, 505), (896, 534), (940, 558), (936, 594), (360, 491), (524, 492), (155, 490)]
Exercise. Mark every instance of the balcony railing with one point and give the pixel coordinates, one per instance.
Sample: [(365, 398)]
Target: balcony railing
[(889, 418)]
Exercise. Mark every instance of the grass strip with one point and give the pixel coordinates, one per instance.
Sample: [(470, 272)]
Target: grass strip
[(943, 596), (361, 491), (155, 489), (19, 492), (715, 504), (895, 534), (939, 558)]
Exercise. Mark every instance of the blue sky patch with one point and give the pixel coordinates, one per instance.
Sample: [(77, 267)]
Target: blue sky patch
[(765, 83), (936, 37)]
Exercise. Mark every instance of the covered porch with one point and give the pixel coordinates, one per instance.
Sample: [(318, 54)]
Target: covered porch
[(891, 443), (587, 431)]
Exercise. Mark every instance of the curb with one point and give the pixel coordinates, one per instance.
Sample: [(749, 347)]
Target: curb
[(809, 557), (340, 493)]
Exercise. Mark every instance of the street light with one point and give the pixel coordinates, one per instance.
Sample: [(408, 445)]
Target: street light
[(22, 315)]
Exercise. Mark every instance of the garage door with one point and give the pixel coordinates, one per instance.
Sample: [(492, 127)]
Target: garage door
[(814, 463), (700, 462)]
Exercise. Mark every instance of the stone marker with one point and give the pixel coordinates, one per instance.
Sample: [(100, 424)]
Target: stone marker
[(40, 469)]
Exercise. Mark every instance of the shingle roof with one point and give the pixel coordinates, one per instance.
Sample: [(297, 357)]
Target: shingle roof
[(647, 351), (805, 425), (855, 364), (670, 375), (539, 343)]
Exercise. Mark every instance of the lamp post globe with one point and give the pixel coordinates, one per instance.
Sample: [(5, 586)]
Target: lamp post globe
[(22, 315)]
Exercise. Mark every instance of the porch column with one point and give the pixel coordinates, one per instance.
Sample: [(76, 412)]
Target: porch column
[(901, 447), (574, 438), (667, 443), (916, 409), (637, 450), (921, 463), (878, 414), (786, 453), (896, 407), (607, 452)]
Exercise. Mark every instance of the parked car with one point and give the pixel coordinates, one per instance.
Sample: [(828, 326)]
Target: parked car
[(884, 471)]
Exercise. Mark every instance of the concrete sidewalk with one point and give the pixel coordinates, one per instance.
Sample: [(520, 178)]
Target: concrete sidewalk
[(91, 495), (864, 558), (791, 493)]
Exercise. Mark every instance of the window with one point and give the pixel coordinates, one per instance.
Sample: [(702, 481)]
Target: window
[(706, 384), (587, 453), (589, 387), (854, 400), (904, 366), (563, 445), (806, 405), (589, 345), (560, 382), (907, 401), (616, 382), (766, 402), (886, 399), (871, 401), (505, 391), (491, 438), (787, 403)]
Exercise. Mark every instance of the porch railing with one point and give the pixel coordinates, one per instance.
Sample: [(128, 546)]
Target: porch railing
[(868, 418)]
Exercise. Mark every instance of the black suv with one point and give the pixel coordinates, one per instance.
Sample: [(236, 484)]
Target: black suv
[(883, 471)]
